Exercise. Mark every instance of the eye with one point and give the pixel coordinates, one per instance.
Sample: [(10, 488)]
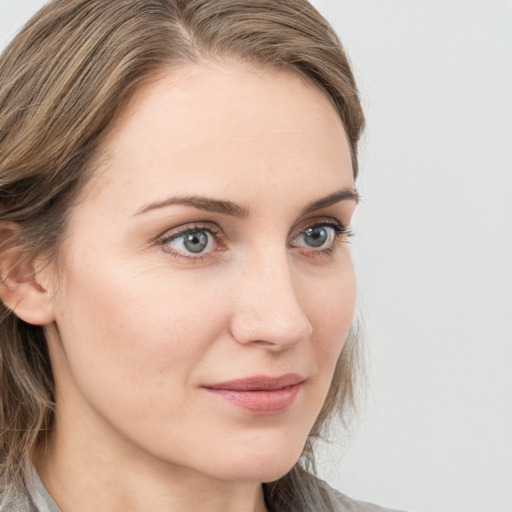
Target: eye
[(318, 236), (190, 242), (321, 236)]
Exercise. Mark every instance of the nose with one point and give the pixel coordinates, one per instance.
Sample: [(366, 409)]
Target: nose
[(267, 309)]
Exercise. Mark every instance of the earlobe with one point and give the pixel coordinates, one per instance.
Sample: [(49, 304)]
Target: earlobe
[(23, 289)]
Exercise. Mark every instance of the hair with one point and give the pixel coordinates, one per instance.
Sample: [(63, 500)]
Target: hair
[(63, 80)]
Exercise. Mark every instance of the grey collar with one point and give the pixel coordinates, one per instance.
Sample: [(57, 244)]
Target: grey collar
[(39, 495)]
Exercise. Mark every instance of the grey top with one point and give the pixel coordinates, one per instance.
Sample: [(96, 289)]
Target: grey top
[(42, 501), (37, 499)]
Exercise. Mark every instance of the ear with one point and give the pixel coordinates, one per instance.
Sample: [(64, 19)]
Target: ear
[(24, 285)]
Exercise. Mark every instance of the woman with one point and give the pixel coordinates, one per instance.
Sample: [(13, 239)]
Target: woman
[(177, 188)]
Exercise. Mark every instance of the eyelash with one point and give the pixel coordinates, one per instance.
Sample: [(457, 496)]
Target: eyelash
[(341, 234)]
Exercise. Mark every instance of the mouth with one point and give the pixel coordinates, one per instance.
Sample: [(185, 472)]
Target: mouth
[(260, 394)]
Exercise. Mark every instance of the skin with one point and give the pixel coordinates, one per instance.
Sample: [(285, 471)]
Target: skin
[(138, 325)]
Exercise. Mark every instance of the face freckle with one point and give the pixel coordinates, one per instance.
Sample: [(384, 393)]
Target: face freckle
[(213, 283)]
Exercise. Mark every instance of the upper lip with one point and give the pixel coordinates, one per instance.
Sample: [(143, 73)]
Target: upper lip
[(258, 383)]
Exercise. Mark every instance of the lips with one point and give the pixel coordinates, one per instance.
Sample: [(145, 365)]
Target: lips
[(259, 394)]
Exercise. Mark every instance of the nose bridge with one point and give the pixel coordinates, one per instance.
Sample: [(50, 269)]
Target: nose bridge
[(268, 310)]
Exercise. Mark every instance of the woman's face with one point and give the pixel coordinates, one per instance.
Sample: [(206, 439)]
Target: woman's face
[(206, 288)]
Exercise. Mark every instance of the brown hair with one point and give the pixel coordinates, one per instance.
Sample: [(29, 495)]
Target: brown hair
[(63, 79)]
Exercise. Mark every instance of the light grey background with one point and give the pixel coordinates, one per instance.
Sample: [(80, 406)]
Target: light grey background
[(433, 251)]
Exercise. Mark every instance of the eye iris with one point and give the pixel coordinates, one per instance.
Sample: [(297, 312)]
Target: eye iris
[(196, 242), (315, 237)]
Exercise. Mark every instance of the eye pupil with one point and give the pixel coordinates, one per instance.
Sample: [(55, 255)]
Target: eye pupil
[(196, 242), (315, 237)]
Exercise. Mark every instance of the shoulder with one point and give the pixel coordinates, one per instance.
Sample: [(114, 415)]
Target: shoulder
[(16, 503), (15, 500), (343, 503), (302, 491)]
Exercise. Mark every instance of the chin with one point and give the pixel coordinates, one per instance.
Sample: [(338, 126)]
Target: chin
[(269, 472), (264, 464)]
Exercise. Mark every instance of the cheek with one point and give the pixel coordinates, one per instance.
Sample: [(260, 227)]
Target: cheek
[(332, 312), (136, 337)]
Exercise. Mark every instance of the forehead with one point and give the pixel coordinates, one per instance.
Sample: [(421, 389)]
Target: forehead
[(225, 124)]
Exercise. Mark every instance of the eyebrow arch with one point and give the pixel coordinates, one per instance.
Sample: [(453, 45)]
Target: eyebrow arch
[(201, 203), (235, 210), (345, 194)]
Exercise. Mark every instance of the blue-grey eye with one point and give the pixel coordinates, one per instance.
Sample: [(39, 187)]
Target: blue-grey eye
[(320, 236), (196, 241), (316, 237)]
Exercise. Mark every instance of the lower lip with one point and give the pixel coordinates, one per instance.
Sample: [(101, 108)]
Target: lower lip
[(259, 402)]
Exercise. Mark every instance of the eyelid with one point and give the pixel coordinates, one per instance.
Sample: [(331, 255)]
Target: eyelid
[(339, 226), (184, 228)]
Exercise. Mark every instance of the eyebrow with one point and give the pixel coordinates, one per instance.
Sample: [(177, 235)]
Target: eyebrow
[(232, 209), (201, 203), (346, 194)]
